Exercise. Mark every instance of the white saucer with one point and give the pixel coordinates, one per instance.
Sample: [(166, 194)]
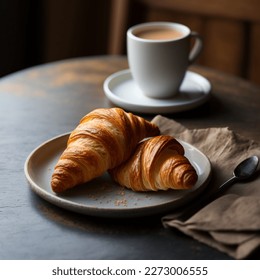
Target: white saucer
[(121, 89)]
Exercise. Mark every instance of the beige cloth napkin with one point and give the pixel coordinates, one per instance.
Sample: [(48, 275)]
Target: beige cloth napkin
[(231, 223)]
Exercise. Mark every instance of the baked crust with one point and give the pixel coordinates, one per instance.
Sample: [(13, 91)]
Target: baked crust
[(103, 139), (157, 164)]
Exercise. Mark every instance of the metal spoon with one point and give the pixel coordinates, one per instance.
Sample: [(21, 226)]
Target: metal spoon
[(243, 171)]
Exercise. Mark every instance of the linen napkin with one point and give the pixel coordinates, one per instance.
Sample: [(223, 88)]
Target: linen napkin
[(231, 223)]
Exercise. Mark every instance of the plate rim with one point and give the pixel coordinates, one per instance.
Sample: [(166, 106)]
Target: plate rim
[(64, 203)]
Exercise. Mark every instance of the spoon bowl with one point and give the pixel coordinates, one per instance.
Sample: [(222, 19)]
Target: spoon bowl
[(246, 168)]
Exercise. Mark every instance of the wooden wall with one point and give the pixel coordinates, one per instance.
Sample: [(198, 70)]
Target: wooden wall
[(230, 45), (40, 31), (75, 28)]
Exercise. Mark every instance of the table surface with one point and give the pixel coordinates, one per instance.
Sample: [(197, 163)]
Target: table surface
[(39, 103)]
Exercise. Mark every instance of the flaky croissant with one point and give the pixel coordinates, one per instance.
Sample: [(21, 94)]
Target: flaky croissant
[(103, 139), (157, 164)]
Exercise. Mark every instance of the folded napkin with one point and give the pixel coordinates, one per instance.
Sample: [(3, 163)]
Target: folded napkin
[(231, 223)]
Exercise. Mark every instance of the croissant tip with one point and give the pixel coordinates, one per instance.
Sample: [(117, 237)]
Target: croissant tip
[(191, 180), (56, 186)]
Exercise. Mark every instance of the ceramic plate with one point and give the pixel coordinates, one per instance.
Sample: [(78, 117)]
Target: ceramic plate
[(121, 89), (102, 196)]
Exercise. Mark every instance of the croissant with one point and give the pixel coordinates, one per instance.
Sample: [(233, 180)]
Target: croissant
[(103, 139), (157, 164)]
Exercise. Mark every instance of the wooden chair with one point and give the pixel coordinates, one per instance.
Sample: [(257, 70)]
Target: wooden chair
[(231, 29)]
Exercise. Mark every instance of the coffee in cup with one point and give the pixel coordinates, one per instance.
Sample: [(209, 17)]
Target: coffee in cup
[(159, 34)]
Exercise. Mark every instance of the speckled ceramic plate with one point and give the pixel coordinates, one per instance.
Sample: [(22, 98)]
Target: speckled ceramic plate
[(102, 196)]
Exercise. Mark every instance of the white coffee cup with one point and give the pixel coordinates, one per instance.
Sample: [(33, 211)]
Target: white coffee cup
[(159, 54)]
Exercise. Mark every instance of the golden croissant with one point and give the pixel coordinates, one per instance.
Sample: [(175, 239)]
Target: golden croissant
[(103, 139), (157, 164)]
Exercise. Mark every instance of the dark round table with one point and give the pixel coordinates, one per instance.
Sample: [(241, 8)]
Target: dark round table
[(39, 103)]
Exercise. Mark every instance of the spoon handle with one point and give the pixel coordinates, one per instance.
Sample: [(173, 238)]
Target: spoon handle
[(220, 190), (204, 200)]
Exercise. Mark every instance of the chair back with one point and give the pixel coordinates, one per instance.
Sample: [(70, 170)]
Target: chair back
[(230, 28)]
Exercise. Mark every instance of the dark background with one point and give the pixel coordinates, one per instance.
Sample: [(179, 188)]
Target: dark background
[(41, 31)]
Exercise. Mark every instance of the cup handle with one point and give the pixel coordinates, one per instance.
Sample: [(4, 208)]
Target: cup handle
[(197, 48)]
